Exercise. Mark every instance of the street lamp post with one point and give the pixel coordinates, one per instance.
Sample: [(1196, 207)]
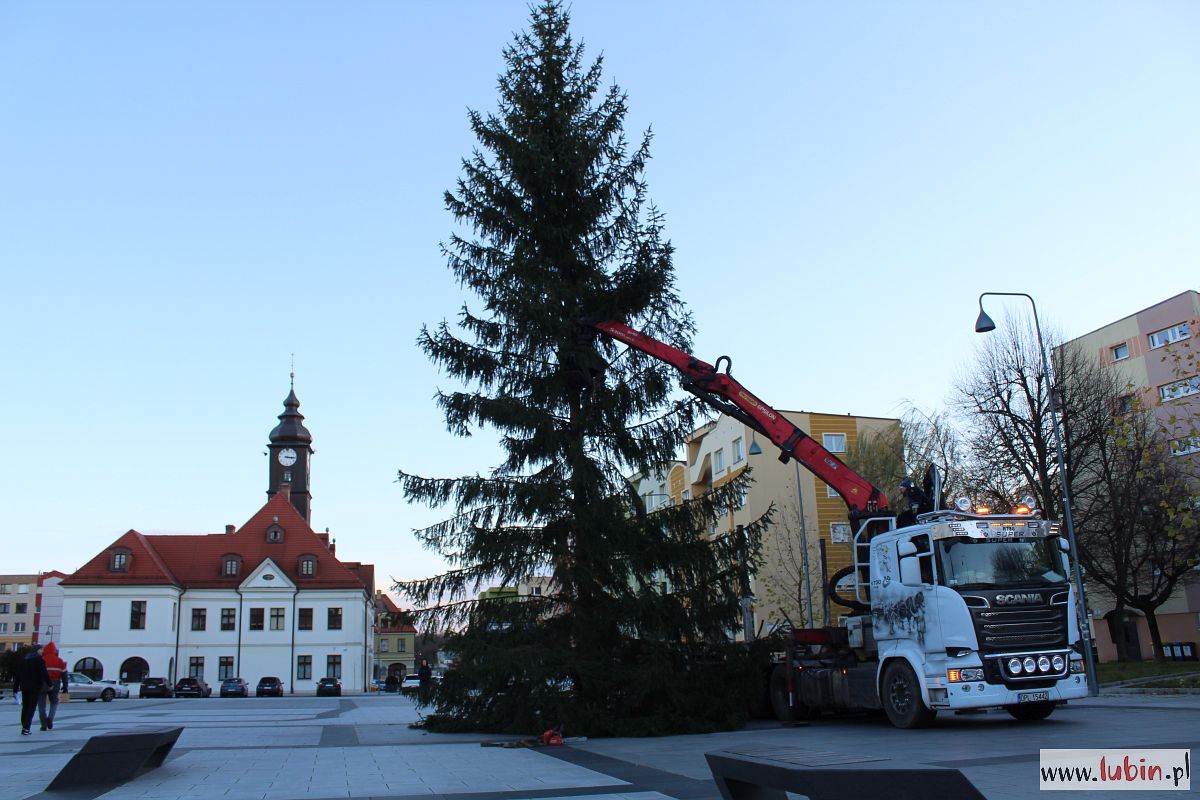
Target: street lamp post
[(984, 324)]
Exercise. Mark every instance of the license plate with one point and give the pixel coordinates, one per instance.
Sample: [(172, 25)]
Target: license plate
[(1032, 697)]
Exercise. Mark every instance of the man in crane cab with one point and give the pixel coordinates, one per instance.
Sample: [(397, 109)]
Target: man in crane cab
[(914, 502)]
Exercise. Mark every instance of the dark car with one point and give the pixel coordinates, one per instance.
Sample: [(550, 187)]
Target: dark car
[(330, 687), (234, 687), (269, 687), (192, 687), (155, 687)]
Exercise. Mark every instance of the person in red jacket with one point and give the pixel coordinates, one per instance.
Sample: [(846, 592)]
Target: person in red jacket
[(56, 668)]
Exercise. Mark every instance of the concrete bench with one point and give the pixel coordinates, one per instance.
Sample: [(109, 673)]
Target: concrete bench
[(114, 758), (744, 777)]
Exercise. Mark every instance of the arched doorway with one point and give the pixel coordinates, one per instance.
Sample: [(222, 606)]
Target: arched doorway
[(90, 667), (134, 669), (397, 669)]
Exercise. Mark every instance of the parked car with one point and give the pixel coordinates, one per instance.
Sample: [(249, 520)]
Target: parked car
[(80, 685), (192, 687), (155, 687), (411, 683), (269, 687), (331, 687), (120, 687), (234, 687)]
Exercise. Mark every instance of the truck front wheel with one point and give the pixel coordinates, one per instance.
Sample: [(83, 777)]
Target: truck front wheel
[(901, 696), (1030, 712)]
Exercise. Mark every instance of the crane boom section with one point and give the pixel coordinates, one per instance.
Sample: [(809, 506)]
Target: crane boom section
[(725, 394)]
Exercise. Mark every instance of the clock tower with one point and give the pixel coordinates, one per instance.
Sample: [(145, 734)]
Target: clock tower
[(290, 452)]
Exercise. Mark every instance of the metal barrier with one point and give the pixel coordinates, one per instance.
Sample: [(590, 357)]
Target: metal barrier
[(114, 758), (743, 777)]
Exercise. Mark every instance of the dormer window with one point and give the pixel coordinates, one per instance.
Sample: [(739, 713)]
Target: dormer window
[(119, 561), (274, 534), (308, 566), (231, 565)]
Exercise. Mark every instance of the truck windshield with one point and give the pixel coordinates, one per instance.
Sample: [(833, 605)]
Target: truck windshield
[(974, 563)]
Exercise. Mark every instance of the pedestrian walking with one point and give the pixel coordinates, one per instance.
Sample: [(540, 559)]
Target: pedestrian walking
[(47, 704), (32, 679)]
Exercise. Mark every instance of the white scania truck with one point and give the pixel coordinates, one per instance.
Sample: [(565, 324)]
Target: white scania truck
[(960, 609)]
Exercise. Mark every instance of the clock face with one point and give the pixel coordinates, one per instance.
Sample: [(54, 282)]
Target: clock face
[(287, 456)]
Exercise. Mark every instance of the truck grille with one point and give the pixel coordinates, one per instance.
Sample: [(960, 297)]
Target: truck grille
[(1005, 629)]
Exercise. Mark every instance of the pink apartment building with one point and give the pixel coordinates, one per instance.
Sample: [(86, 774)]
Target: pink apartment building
[(1141, 346)]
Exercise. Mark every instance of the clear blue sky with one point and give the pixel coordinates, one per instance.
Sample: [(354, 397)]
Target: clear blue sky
[(190, 192)]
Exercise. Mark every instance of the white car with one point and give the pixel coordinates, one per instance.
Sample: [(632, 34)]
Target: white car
[(120, 687), (410, 683)]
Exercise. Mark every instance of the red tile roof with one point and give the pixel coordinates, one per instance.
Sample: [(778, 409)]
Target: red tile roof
[(193, 561)]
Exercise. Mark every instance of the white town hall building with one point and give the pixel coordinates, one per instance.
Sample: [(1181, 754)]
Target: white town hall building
[(269, 598)]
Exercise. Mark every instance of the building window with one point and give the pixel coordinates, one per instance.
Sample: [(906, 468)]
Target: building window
[(225, 668), (196, 667), (830, 491), (401, 645), (230, 565), (18, 627), (3, 627), (276, 619), (334, 620), (1169, 335), (275, 534), (835, 442), (1185, 446), (22, 588), (120, 562), (1125, 404), (304, 621), (738, 450), (90, 667), (718, 460), (21, 608), (91, 615), (1119, 352), (199, 619), (383, 645), (256, 619), (137, 615), (5, 588), (1178, 389), (333, 666), (4, 608), (308, 567), (304, 668), (228, 619)]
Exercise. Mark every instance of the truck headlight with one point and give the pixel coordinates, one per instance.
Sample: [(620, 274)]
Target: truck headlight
[(1076, 665), (1043, 664), (965, 675), (1058, 663), (1030, 664), (1014, 666)]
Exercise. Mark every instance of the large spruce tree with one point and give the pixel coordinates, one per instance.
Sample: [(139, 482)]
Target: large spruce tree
[(632, 633)]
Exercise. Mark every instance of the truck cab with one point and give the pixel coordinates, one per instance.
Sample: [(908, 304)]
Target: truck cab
[(972, 610)]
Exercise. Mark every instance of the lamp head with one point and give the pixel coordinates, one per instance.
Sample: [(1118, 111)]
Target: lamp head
[(984, 323)]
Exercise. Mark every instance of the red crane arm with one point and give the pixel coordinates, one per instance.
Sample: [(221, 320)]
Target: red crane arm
[(725, 394)]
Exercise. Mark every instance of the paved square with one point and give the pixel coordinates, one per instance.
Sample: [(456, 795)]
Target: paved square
[(363, 747)]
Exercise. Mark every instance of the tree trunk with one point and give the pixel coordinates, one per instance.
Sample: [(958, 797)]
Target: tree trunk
[(1155, 635), (1116, 629)]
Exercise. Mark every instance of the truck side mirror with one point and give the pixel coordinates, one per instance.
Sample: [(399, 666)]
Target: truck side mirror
[(1064, 545), (910, 571), (905, 549)]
